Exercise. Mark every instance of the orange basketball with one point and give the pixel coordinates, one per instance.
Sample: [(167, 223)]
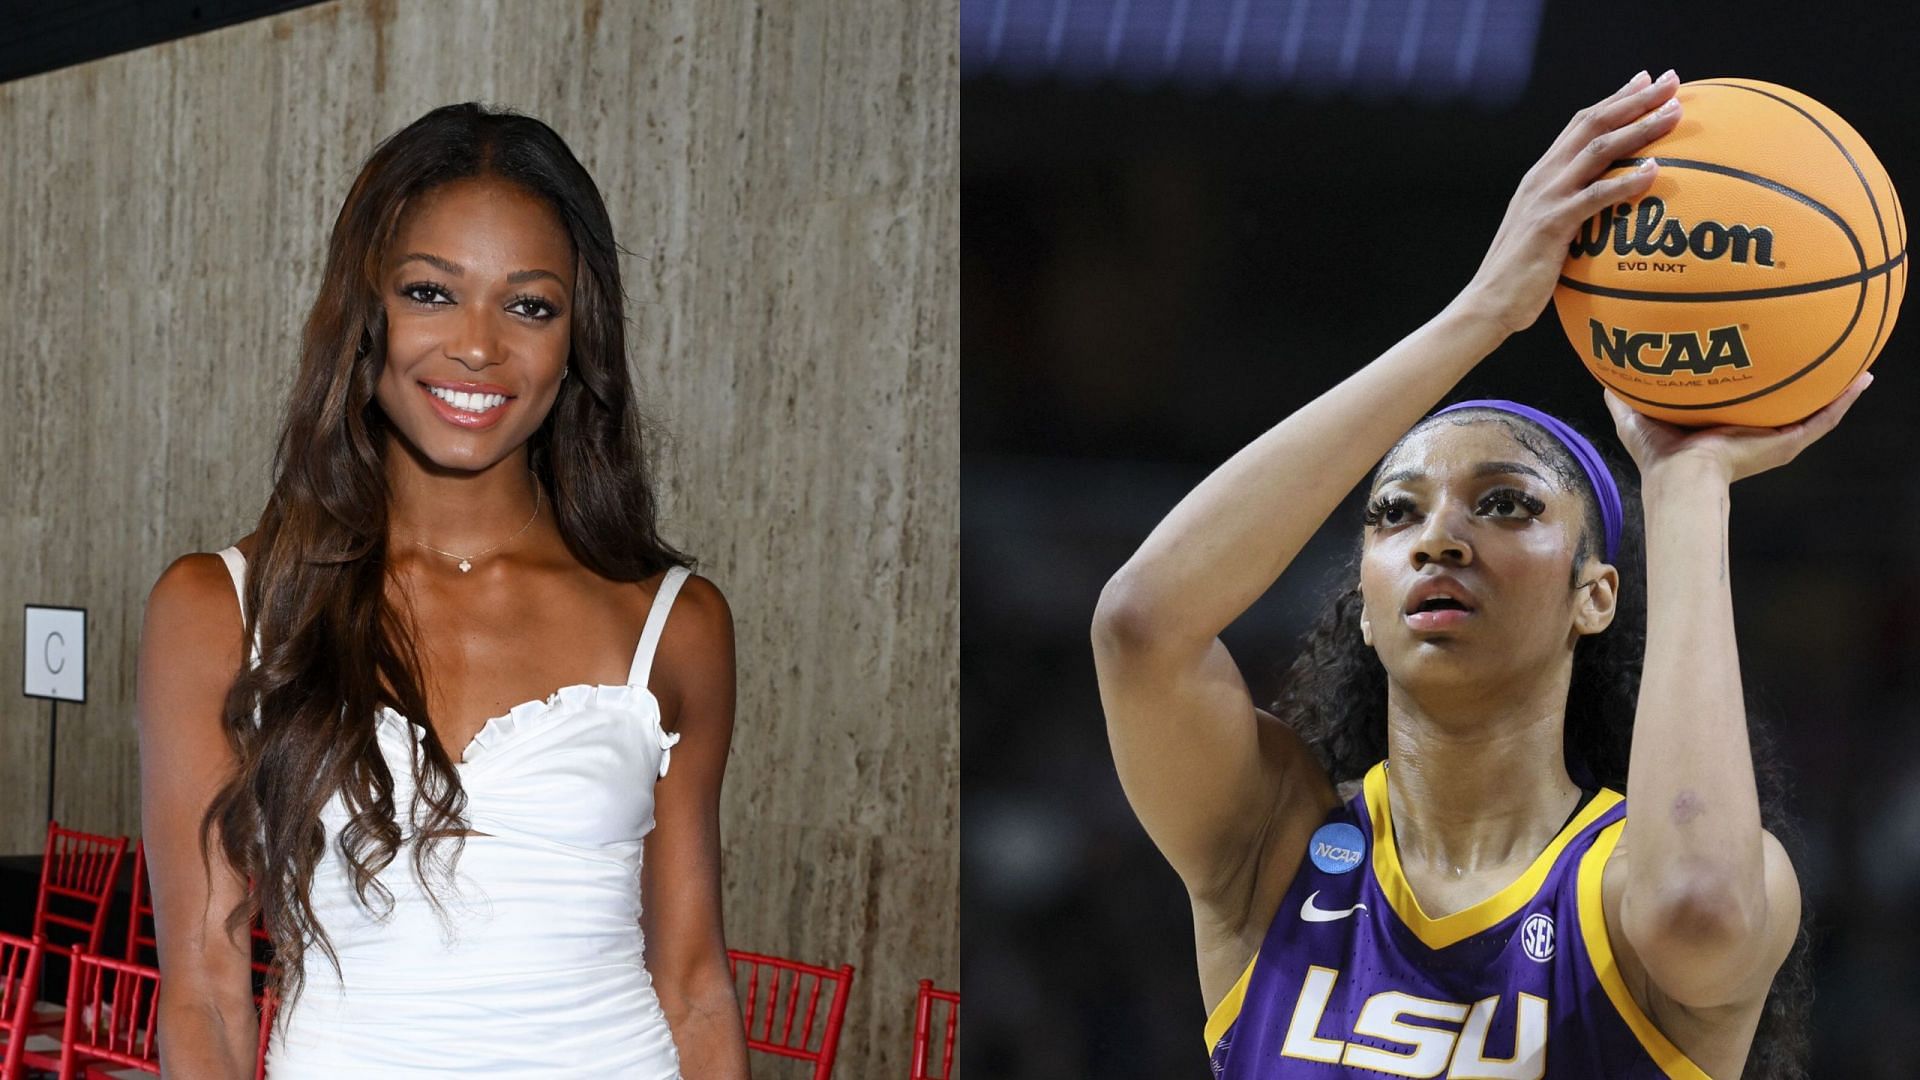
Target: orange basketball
[(1756, 278)]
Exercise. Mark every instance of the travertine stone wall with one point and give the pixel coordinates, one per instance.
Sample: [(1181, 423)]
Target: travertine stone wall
[(786, 176)]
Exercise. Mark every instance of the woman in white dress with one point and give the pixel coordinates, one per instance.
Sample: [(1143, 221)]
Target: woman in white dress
[(464, 870)]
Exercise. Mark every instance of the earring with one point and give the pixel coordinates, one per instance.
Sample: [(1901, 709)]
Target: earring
[(563, 372)]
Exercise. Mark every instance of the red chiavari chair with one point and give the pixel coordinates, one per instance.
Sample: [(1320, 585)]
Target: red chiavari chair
[(19, 973), (112, 1007), (76, 892), (781, 995), (76, 883), (923, 1011)]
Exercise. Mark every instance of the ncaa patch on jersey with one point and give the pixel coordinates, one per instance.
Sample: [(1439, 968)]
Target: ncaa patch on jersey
[(1337, 848)]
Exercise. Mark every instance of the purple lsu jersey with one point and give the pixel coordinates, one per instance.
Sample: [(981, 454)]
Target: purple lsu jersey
[(1353, 979)]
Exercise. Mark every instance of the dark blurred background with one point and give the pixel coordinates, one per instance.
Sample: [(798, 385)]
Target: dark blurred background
[(1182, 220)]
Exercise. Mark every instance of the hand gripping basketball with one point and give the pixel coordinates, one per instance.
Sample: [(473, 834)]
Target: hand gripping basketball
[(1563, 189), (1734, 452)]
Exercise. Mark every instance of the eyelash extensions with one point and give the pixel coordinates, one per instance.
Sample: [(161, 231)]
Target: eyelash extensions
[(1384, 504)]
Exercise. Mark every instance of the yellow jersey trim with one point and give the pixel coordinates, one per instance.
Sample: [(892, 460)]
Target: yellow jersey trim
[(1452, 929), (1593, 931), (1225, 1013)]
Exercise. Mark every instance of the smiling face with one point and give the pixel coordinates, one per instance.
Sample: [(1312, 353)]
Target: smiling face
[(1465, 561), (478, 292)]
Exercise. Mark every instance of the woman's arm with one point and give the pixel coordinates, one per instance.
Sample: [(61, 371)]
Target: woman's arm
[(1206, 777), (680, 875), (1710, 903), (190, 651)]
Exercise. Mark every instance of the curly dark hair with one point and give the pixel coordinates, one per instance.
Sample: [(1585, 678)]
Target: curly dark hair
[(332, 649), (1335, 696)]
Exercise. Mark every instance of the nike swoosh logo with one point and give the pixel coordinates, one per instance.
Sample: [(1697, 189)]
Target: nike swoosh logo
[(1320, 914)]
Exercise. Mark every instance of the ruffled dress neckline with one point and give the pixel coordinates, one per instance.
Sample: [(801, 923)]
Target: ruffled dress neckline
[(499, 731)]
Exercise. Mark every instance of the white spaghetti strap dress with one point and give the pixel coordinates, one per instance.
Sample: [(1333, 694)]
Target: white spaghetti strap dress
[(536, 969)]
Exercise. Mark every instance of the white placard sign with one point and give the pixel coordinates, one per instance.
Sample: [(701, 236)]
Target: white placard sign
[(56, 660)]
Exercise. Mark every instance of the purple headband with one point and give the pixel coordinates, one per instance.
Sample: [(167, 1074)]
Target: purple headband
[(1608, 495)]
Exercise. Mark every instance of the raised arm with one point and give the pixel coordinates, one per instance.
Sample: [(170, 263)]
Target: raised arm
[(190, 652), (680, 873), (1211, 778), (1710, 904)]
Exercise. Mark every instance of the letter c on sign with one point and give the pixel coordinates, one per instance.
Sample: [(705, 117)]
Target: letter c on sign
[(53, 639)]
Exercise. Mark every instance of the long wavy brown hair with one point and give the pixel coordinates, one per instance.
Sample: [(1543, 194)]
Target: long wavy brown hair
[(332, 651), (1335, 696)]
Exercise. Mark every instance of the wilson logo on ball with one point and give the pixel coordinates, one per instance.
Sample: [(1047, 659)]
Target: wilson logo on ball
[(1675, 352), (1768, 213), (1645, 229)]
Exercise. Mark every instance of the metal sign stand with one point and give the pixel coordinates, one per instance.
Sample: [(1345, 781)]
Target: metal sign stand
[(53, 739)]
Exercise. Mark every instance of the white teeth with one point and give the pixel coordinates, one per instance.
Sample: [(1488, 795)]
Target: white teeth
[(473, 403)]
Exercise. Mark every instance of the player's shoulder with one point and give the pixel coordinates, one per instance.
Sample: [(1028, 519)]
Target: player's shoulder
[(1779, 878)]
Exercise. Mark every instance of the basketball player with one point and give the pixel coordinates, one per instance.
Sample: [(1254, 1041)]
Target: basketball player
[(1421, 862)]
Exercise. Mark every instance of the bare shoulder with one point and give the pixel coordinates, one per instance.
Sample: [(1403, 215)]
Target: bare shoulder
[(1717, 1039), (194, 596), (699, 609), (196, 593), (695, 659), (1781, 884), (700, 622), (190, 642)]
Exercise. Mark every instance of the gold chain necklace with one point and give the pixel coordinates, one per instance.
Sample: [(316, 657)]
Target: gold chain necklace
[(466, 561)]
